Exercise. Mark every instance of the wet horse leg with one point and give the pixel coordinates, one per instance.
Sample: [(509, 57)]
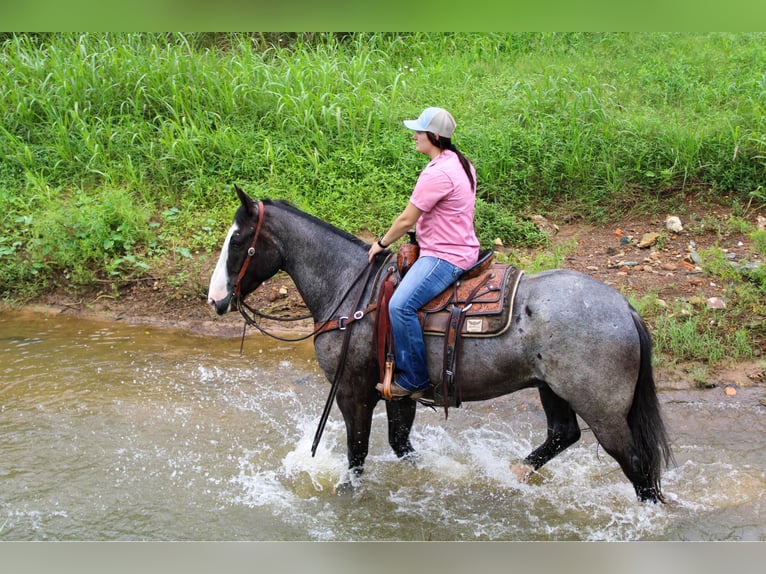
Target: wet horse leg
[(357, 414), (401, 414), (617, 440), (563, 431)]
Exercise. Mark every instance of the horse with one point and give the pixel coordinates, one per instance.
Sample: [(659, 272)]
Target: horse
[(574, 338)]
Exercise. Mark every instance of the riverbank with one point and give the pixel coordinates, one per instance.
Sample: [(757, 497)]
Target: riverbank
[(665, 273)]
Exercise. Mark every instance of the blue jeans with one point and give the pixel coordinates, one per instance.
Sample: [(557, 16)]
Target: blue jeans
[(427, 277)]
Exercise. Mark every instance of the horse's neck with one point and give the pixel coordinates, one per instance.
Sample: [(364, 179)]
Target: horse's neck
[(322, 263)]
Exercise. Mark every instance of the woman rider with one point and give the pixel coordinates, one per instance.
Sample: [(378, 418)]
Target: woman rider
[(442, 208)]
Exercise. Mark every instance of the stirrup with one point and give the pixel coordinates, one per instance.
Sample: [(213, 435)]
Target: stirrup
[(388, 386), (388, 377)]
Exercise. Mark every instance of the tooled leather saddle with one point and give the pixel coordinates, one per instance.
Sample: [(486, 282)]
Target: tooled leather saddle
[(478, 304)]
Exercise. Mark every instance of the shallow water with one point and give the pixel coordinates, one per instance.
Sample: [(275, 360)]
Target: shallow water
[(112, 431)]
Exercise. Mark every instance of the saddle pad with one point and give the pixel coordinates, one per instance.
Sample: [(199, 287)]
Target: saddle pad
[(489, 313)]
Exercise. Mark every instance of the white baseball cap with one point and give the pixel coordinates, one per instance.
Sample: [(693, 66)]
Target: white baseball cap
[(435, 120)]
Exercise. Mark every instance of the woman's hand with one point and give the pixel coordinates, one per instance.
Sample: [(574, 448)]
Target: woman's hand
[(374, 250)]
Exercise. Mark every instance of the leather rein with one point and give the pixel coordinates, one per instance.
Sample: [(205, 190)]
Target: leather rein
[(322, 327), (341, 323)]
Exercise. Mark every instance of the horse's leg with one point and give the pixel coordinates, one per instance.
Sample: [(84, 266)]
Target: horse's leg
[(357, 414), (401, 414), (617, 440), (563, 431)]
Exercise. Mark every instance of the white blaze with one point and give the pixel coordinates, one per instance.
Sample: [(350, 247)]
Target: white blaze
[(218, 282)]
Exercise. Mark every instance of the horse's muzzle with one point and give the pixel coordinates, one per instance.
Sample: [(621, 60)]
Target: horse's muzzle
[(222, 306)]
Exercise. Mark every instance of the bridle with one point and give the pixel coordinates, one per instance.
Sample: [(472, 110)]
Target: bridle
[(340, 324), (321, 326), (250, 252), (237, 291)]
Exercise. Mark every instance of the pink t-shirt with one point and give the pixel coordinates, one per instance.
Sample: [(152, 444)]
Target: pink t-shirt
[(444, 194)]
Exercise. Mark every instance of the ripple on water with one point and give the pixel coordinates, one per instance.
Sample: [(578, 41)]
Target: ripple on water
[(124, 432)]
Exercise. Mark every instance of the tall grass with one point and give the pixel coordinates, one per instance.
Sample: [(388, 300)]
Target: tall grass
[(169, 121)]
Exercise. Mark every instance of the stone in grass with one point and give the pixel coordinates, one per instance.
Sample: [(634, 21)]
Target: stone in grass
[(673, 223), (648, 239), (716, 303)]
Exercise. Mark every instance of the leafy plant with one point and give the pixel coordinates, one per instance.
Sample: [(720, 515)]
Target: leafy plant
[(493, 222), (84, 236)]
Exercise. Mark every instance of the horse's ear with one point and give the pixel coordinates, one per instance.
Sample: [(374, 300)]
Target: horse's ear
[(245, 199)]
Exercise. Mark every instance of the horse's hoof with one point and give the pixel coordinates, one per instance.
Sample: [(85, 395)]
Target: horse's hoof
[(344, 488), (411, 456), (522, 471)]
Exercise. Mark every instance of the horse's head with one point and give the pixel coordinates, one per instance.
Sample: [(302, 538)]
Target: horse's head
[(248, 257)]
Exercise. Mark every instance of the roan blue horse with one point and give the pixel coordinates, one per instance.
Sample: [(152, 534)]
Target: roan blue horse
[(575, 339)]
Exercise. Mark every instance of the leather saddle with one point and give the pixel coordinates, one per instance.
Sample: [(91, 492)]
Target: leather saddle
[(485, 299), (478, 304)]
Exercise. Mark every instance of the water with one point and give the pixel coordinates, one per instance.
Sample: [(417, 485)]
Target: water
[(111, 431)]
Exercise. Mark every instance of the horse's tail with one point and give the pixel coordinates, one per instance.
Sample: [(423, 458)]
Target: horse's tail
[(644, 418)]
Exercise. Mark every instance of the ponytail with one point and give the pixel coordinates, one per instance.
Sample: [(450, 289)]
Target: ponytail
[(446, 143)]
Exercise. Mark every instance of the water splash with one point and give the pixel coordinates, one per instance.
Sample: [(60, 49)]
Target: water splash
[(155, 436)]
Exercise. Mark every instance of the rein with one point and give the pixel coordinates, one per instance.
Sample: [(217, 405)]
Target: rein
[(322, 326), (339, 370), (341, 324)]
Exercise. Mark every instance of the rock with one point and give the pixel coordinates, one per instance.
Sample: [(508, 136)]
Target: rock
[(669, 266), (673, 223), (277, 293), (688, 266), (760, 222), (654, 257), (498, 242), (746, 267), (648, 239), (716, 303), (544, 225), (622, 265), (694, 257), (730, 391)]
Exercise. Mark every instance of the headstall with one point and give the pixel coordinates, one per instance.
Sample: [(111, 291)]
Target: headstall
[(250, 252)]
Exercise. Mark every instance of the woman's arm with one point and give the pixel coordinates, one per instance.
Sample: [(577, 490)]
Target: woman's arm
[(403, 223)]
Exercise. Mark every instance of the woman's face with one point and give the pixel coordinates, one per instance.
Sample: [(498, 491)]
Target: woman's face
[(424, 145)]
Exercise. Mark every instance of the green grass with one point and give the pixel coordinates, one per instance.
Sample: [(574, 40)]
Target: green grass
[(690, 331), (118, 150)]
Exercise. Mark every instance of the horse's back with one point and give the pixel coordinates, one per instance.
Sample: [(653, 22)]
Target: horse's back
[(578, 330), (567, 330), (571, 297)]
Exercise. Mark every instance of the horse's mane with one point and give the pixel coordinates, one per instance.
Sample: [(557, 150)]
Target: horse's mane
[(287, 206)]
